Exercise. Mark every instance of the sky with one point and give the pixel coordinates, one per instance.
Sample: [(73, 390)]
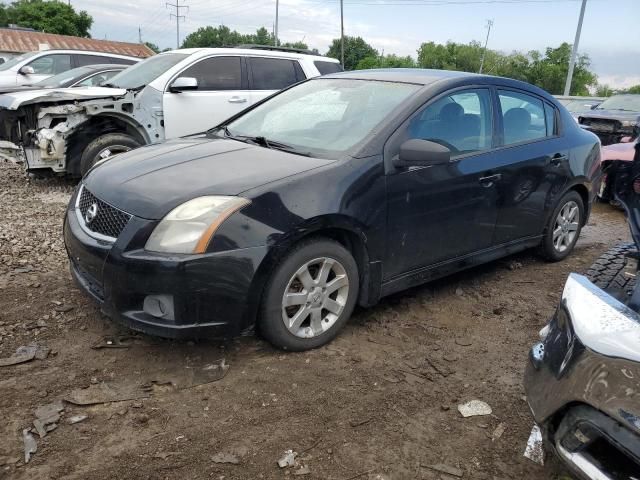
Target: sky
[(610, 34)]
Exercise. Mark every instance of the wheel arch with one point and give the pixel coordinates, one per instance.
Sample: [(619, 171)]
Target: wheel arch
[(95, 127), (342, 229)]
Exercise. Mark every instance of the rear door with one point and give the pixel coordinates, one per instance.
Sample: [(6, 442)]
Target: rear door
[(533, 161), (222, 92), (269, 75)]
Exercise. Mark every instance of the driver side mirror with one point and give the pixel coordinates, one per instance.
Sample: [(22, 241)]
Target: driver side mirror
[(181, 84), (26, 70), (422, 153)]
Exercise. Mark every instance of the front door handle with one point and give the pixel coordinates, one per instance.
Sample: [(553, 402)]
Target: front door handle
[(237, 100), (490, 180), (557, 159)]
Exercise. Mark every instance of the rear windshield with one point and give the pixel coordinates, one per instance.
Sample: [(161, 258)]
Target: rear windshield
[(145, 72), (326, 68), (65, 78)]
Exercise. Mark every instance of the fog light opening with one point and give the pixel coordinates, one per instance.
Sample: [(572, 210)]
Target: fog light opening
[(159, 306)]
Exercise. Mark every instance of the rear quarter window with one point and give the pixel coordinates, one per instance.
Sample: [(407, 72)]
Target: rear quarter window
[(326, 68)]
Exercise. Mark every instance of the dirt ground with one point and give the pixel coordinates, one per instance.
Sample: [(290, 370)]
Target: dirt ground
[(379, 402)]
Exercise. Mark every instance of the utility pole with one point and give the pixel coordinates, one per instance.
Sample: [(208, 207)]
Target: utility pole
[(574, 52), (486, 42), (276, 27), (139, 34), (342, 32), (178, 17)]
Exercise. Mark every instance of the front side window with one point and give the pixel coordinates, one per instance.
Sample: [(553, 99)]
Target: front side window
[(272, 73), (51, 64), (216, 73), (324, 117), (461, 121), (523, 117)]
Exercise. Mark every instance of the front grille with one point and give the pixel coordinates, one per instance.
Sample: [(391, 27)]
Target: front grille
[(107, 220), (608, 126)]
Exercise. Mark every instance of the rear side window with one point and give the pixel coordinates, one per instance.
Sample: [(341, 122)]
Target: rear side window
[(272, 73), (550, 115), (523, 117), (326, 68), (51, 64), (83, 60), (216, 73)]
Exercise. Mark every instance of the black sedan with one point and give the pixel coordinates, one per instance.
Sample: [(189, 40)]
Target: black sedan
[(335, 192), (87, 76)]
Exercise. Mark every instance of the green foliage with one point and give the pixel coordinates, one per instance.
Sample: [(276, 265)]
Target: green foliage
[(635, 89), (548, 70), (386, 61), (47, 16), (355, 50), (153, 47), (223, 36)]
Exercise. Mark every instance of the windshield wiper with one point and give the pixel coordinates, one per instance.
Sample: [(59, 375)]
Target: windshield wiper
[(258, 140), (109, 85)]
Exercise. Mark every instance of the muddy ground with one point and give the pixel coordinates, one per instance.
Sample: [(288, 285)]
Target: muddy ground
[(378, 402)]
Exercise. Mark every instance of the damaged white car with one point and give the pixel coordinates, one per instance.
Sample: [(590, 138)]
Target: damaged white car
[(177, 93)]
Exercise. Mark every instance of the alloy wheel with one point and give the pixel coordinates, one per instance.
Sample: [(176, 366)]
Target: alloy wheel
[(315, 297), (566, 226)]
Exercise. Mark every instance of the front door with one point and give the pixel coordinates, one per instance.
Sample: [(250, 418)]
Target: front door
[(222, 92), (534, 165), (446, 211)]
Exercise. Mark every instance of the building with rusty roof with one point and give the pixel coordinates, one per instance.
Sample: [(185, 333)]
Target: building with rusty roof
[(14, 41)]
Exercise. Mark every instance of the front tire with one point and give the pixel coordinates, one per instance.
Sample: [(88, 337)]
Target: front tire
[(563, 228), (106, 146), (607, 272), (310, 296)]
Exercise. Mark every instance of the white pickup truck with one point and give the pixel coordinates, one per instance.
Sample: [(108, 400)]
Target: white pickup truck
[(172, 94)]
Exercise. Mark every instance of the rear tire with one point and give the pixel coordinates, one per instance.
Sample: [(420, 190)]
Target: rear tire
[(607, 272), (310, 296), (561, 225), (105, 146)]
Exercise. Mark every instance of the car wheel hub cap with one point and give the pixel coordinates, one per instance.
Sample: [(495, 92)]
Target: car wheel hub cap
[(315, 297), (566, 226)]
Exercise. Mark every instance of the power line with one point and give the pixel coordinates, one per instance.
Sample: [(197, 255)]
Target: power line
[(178, 17)]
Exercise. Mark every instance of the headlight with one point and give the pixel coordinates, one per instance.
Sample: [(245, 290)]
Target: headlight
[(190, 227)]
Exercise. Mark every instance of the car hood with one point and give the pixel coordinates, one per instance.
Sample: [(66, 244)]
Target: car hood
[(619, 151), (611, 115), (13, 101), (150, 181)]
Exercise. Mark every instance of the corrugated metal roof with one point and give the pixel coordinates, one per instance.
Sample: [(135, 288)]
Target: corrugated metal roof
[(21, 41)]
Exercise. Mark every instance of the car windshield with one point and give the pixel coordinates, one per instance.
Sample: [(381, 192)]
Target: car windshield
[(629, 103), (15, 60), (65, 78), (147, 71), (322, 117), (580, 106)]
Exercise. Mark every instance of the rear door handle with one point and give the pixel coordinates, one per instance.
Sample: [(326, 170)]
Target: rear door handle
[(558, 158), (490, 180), (237, 100)]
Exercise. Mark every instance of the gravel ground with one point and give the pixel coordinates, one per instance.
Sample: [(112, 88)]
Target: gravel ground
[(379, 402)]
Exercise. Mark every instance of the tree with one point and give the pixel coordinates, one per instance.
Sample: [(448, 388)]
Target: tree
[(153, 47), (550, 71), (386, 61), (47, 16), (355, 49)]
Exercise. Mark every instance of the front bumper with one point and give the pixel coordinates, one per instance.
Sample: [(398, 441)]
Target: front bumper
[(209, 295), (583, 381)]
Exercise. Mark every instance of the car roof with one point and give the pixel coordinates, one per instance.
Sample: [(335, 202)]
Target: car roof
[(88, 52), (421, 76), (106, 66), (251, 51)]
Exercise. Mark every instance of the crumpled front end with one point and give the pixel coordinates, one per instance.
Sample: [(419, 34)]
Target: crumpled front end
[(583, 382)]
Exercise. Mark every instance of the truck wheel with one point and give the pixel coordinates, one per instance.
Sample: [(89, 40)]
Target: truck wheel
[(310, 296), (106, 146), (607, 272), (563, 228)]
